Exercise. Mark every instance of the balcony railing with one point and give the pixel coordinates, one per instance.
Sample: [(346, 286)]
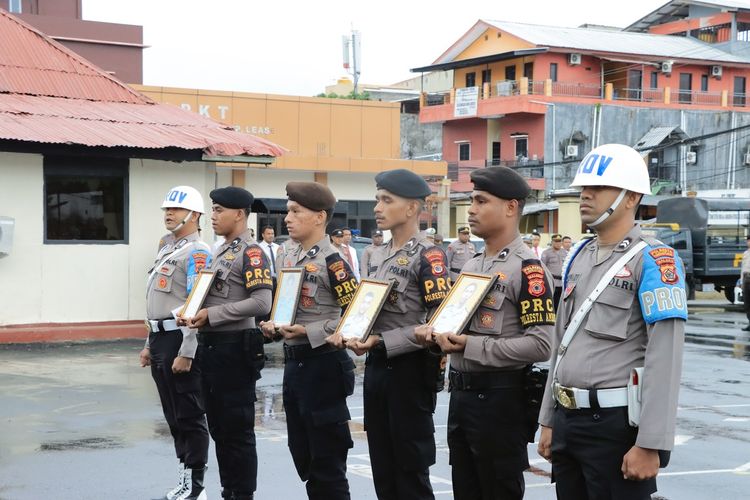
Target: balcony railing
[(533, 169)]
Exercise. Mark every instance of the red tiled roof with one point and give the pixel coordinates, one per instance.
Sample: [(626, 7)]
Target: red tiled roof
[(49, 94)]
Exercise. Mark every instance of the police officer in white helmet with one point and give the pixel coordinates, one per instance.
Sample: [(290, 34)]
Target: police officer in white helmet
[(170, 350), (608, 413)]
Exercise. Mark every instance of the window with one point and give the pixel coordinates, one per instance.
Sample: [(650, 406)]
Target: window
[(704, 83), (522, 147), (14, 6), (510, 72), (686, 87), (464, 151), (471, 79), (528, 70), (495, 153), (654, 84), (486, 76), (635, 82), (85, 200), (739, 91), (553, 71)]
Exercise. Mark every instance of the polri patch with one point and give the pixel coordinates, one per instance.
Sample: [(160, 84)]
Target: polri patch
[(535, 304), (343, 281)]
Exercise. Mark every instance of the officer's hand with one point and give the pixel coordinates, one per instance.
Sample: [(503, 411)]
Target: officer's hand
[(145, 356), (292, 331), (359, 348), (544, 448), (336, 340), (181, 365), (640, 464), (199, 320), (181, 321), (450, 342), (268, 328), (423, 334)]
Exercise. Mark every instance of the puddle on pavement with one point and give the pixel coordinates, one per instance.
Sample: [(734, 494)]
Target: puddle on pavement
[(92, 443)]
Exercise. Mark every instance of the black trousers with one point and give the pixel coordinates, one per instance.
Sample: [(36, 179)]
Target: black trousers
[(399, 402), (317, 421), (587, 451), (487, 438), (181, 400), (746, 295), (556, 296), (229, 377)]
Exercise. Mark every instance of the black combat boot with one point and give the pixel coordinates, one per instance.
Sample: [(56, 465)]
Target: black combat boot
[(194, 485)]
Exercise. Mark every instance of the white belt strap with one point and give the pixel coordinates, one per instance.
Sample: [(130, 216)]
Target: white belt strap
[(167, 325), (574, 398), (578, 317)]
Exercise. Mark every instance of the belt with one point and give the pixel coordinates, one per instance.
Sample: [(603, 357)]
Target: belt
[(302, 351), (576, 399), (480, 381), (161, 325), (216, 338), (455, 270)]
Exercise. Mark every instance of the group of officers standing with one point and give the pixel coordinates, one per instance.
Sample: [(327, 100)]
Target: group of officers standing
[(206, 367)]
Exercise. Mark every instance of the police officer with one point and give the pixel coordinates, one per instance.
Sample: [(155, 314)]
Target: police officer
[(400, 374), (636, 321), (364, 264), (460, 251), (171, 352), (553, 258), (230, 347), (488, 423), (318, 373)]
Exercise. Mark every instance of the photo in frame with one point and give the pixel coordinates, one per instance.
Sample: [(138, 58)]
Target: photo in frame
[(461, 303), (198, 294), (361, 313), (288, 288)]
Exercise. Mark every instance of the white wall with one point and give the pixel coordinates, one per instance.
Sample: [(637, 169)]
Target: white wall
[(352, 186)]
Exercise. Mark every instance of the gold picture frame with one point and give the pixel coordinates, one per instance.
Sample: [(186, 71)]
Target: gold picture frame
[(286, 299), (462, 301), (364, 308), (198, 294)]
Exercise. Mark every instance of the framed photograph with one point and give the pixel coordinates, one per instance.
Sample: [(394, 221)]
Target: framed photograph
[(198, 294), (288, 287), (462, 301), (360, 315)]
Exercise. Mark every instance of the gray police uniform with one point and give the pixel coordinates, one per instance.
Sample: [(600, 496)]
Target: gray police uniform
[(316, 413), (554, 260), (488, 421), (637, 321), (231, 351), (175, 268), (459, 254), (364, 263), (400, 375)]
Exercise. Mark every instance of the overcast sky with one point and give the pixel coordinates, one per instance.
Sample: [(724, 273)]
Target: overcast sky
[(294, 47)]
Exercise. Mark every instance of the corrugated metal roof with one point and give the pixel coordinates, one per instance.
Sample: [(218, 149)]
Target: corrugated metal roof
[(656, 136), (679, 9), (49, 94)]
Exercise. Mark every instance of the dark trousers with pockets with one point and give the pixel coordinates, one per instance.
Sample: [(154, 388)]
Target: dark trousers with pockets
[(746, 294), (587, 450), (229, 377), (317, 420), (487, 431), (181, 400), (399, 402)]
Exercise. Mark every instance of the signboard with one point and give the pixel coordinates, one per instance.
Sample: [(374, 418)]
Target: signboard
[(728, 218), (466, 102)]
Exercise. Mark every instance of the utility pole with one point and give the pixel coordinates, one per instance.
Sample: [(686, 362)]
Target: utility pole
[(352, 48)]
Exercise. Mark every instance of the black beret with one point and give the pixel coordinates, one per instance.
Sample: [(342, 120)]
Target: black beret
[(232, 197), (502, 182), (404, 183), (312, 195), (377, 232), (464, 229), (339, 233)]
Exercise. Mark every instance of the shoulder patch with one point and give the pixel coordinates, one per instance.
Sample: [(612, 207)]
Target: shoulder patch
[(535, 304), (256, 269), (662, 288), (343, 281), (433, 277)]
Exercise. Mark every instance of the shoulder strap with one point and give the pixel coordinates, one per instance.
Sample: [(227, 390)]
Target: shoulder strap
[(575, 323), (569, 259)]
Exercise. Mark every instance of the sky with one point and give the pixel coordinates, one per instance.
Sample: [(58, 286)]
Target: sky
[(294, 47)]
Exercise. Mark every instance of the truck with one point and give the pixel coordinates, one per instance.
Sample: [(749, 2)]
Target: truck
[(709, 234)]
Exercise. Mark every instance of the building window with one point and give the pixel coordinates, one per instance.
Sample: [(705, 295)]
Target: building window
[(495, 153), (471, 79), (654, 83), (553, 71), (486, 76), (14, 6), (686, 87), (704, 83), (510, 72), (464, 151), (85, 200), (522, 147), (739, 91)]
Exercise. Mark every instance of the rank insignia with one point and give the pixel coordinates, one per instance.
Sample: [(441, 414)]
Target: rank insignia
[(501, 276), (229, 256), (402, 261), (504, 254), (313, 251), (311, 268)]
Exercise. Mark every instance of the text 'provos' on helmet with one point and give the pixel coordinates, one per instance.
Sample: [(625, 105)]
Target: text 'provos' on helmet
[(184, 197), (614, 165)]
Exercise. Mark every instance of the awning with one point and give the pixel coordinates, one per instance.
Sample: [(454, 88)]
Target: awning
[(478, 61), (656, 136), (534, 208)]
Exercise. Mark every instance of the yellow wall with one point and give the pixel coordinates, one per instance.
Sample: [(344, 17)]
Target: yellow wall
[(497, 68), (490, 43)]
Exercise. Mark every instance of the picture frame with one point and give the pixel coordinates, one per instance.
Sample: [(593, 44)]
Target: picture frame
[(361, 313), (462, 302), (286, 299), (198, 294)]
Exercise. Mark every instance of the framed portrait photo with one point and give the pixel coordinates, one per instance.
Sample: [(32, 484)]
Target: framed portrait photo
[(361, 313), (462, 301), (288, 287), (198, 294)]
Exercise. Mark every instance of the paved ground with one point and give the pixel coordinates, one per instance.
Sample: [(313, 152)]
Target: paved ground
[(83, 422)]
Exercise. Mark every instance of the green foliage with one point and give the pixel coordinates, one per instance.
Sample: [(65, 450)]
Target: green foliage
[(361, 96)]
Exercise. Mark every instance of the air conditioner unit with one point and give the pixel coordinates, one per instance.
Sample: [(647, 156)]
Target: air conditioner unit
[(574, 59), (747, 158), (716, 71), (666, 66), (691, 157), (571, 150)]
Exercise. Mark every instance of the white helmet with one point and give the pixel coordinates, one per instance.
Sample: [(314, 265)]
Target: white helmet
[(184, 197), (614, 165)]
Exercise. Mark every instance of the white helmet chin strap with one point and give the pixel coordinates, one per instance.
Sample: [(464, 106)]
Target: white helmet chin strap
[(610, 210), (184, 221)]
